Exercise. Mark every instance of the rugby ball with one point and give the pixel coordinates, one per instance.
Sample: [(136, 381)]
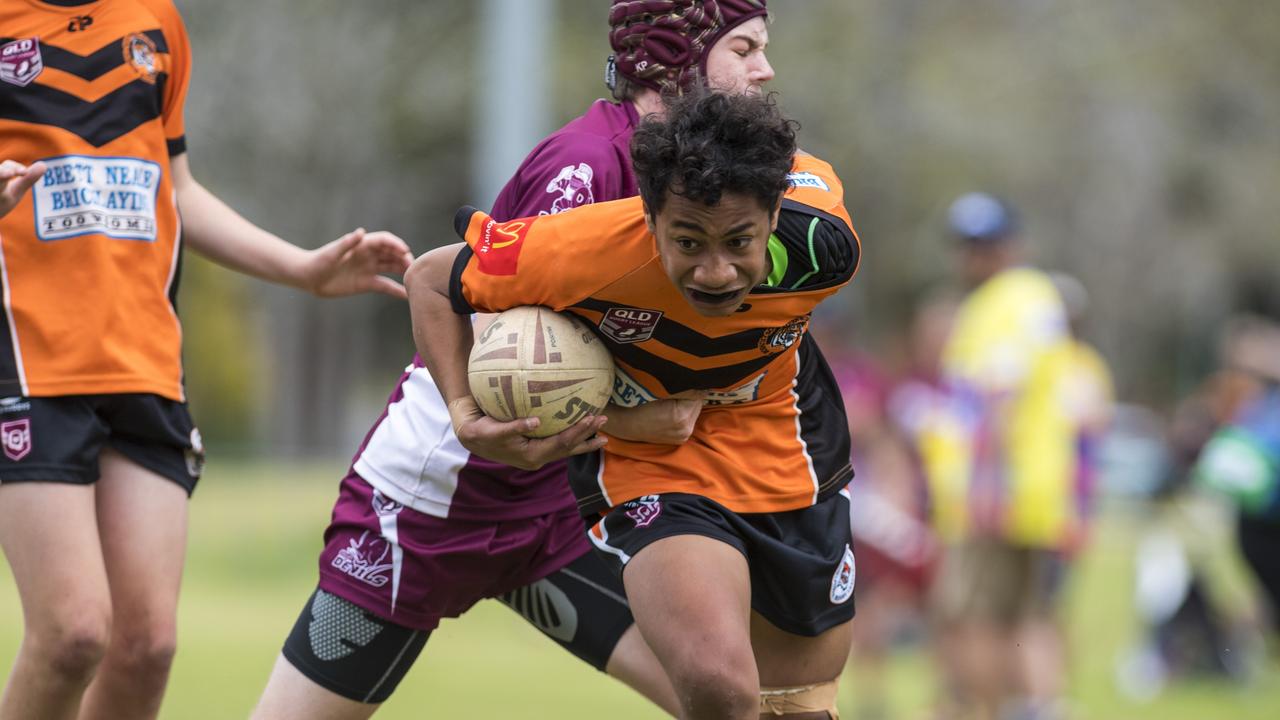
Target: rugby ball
[(535, 362)]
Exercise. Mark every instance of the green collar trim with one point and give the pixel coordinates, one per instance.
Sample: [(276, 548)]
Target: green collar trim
[(778, 260)]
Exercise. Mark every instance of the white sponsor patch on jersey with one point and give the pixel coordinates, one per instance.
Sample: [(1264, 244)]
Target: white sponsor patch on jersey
[(806, 179), (82, 195), (746, 392), (627, 392)]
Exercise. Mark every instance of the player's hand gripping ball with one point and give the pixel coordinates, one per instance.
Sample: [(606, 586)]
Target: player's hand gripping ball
[(535, 362)]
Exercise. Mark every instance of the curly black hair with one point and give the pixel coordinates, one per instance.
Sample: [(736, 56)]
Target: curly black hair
[(711, 143)]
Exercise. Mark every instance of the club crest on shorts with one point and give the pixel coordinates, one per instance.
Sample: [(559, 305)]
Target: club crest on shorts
[(629, 325), (643, 510), (16, 435), (366, 563), (20, 61), (194, 454), (844, 577)]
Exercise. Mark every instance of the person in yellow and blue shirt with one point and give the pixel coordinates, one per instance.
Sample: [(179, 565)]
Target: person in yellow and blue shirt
[(1003, 465)]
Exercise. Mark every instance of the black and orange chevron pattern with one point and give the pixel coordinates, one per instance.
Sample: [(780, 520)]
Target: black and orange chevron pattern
[(89, 258)]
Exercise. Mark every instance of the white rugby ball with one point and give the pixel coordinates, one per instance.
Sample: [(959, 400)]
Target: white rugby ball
[(535, 362)]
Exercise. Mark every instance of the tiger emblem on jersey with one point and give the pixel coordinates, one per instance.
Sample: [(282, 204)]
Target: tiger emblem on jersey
[(775, 340), (140, 54)]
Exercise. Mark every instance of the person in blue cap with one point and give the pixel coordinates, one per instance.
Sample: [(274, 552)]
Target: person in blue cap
[(1003, 495)]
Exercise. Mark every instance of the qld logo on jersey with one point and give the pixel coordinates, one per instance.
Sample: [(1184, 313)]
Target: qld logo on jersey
[(140, 54), (775, 340), (845, 575), (20, 61), (498, 249), (629, 325), (806, 179)]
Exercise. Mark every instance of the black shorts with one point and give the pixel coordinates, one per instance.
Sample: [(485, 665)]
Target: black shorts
[(801, 561), (59, 439)]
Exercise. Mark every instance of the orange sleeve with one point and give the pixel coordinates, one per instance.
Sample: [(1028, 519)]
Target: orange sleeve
[(178, 68), (815, 183), (552, 260)]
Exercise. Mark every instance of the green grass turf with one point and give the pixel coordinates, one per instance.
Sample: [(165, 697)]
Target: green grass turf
[(255, 533)]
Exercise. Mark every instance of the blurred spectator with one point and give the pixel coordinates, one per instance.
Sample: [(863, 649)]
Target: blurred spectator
[(1242, 458), (1180, 586), (1004, 464)]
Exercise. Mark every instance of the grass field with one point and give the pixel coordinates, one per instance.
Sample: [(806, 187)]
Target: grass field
[(255, 533)]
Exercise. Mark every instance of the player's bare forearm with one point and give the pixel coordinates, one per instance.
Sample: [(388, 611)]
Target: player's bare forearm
[(662, 422), (443, 337)]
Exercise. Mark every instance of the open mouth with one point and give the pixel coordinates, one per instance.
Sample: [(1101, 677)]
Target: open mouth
[(722, 299)]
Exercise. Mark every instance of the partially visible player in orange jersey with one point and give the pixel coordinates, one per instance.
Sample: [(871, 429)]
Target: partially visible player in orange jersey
[(100, 453), (734, 547)]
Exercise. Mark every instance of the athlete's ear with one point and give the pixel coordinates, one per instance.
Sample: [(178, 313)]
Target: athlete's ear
[(649, 220), (777, 212)]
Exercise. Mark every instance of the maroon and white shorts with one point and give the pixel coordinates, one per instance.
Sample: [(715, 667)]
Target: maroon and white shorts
[(414, 569)]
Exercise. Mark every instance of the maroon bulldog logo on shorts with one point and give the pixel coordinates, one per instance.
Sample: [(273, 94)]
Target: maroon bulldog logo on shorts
[(16, 435), (643, 510)]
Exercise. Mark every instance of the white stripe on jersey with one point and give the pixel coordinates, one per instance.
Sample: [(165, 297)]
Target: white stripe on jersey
[(413, 457)]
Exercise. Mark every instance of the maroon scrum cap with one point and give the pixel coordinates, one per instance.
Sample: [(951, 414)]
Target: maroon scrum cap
[(663, 44)]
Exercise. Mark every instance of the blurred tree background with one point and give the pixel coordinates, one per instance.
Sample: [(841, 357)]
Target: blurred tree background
[(1139, 140)]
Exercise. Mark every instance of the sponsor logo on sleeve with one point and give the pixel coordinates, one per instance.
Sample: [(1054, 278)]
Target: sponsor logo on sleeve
[(84, 195), (629, 325), (572, 187), (498, 249), (20, 61), (807, 180)]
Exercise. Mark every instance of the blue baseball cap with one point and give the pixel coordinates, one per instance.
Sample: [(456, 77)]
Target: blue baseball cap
[(980, 217)]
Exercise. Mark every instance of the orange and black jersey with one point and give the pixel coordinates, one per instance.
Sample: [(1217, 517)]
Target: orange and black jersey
[(89, 257), (773, 435)]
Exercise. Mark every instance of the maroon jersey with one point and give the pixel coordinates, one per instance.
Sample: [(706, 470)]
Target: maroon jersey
[(411, 455)]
